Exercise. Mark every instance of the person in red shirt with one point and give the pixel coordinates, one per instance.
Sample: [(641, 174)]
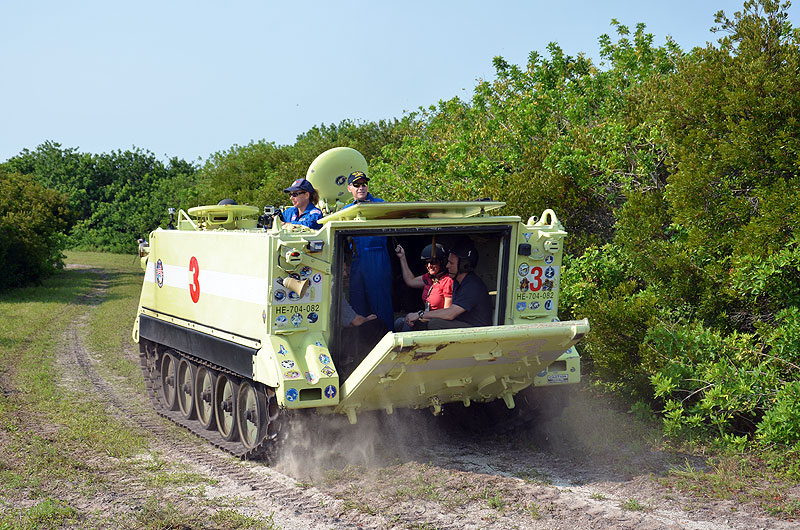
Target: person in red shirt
[(436, 284)]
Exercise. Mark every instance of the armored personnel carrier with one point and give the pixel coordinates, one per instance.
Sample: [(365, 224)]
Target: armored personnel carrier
[(239, 320)]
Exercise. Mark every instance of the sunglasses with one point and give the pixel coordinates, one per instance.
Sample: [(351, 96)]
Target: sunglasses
[(296, 193), (360, 185), (432, 262)]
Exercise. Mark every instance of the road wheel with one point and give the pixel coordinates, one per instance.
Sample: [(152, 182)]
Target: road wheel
[(204, 382), (169, 364), (251, 415), (225, 394), (185, 388)]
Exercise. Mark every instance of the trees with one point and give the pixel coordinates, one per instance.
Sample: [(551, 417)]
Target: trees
[(31, 225)]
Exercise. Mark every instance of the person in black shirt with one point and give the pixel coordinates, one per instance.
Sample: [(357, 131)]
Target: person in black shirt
[(472, 305)]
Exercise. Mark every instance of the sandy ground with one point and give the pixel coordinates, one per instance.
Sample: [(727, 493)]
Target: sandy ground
[(412, 470)]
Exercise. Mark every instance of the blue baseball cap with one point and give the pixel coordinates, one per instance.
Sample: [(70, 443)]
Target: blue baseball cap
[(357, 176), (300, 185)]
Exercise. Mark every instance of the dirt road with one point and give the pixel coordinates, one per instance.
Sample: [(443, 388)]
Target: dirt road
[(585, 470)]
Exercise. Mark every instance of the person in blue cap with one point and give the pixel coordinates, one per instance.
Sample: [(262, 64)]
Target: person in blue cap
[(303, 210), (370, 272)]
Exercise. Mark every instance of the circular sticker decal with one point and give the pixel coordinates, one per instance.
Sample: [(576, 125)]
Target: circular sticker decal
[(535, 305), (305, 271), (291, 394), (549, 272), (548, 259), (340, 180), (297, 319), (287, 363), (280, 294), (292, 374), (330, 391), (317, 278), (324, 359), (281, 321), (160, 273), (293, 296), (548, 305), (523, 269), (312, 317)]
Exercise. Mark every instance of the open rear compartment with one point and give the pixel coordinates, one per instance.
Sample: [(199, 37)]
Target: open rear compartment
[(491, 241)]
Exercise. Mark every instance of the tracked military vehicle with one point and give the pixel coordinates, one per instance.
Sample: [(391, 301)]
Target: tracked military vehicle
[(239, 321)]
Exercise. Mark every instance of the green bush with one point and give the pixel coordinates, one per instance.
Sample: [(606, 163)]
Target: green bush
[(31, 225)]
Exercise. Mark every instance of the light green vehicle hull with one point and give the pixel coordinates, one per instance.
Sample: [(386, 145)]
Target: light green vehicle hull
[(215, 292)]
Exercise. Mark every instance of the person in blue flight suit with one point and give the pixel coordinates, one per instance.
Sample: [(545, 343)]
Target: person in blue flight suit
[(303, 210), (370, 272)]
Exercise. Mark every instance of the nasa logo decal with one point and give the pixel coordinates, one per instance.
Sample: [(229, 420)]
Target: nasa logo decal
[(280, 294), (330, 391), (287, 363), (291, 394), (328, 371), (520, 306), (160, 273), (324, 359), (548, 259)]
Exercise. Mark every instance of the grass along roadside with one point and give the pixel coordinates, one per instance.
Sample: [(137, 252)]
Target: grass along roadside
[(64, 458)]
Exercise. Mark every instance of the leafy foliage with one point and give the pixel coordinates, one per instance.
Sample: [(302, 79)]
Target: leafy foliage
[(32, 219)]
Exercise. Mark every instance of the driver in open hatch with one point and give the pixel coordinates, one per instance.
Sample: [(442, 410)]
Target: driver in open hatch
[(303, 210), (472, 305)]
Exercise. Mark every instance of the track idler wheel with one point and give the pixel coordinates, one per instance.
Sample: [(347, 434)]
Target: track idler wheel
[(226, 392)]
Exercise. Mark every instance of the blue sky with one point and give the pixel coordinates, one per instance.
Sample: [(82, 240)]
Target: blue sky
[(190, 78)]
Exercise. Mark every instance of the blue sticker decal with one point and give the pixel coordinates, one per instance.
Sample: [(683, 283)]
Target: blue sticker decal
[(297, 319), (160, 273), (324, 359), (523, 269), (280, 294), (288, 363), (312, 317), (281, 321), (291, 394), (282, 350), (318, 343), (305, 271), (527, 236), (535, 305), (293, 296), (317, 278), (327, 370), (542, 373), (549, 272), (330, 391), (548, 259), (548, 305), (312, 378), (340, 180), (520, 306)]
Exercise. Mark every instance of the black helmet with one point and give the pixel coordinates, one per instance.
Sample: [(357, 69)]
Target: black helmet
[(438, 253), (226, 202), (467, 254)]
